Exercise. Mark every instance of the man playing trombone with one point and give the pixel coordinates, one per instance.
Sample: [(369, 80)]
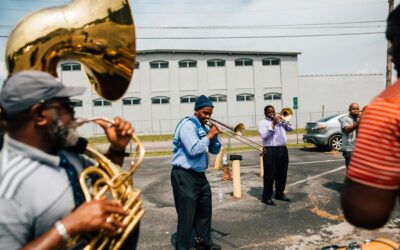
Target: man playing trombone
[(272, 131), (192, 192)]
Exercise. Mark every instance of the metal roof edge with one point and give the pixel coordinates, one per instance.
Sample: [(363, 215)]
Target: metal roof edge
[(349, 74), (203, 52)]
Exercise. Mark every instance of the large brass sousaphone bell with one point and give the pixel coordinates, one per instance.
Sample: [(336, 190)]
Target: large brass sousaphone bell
[(99, 34)]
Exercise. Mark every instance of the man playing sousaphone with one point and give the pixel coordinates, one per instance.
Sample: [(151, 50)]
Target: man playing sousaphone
[(41, 204)]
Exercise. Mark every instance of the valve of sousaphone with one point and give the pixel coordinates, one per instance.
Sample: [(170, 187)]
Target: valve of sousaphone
[(98, 33)]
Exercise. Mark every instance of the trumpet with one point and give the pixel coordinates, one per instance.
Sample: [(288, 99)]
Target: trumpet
[(285, 115), (235, 132)]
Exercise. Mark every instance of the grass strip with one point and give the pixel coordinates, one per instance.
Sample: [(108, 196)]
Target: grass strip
[(230, 150), (168, 137)]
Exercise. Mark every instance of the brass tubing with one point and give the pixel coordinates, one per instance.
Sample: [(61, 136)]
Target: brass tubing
[(227, 130), (128, 229)]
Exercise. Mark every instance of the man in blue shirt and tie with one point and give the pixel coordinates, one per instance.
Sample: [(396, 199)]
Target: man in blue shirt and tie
[(192, 192)]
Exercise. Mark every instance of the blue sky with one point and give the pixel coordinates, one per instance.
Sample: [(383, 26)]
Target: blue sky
[(315, 28)]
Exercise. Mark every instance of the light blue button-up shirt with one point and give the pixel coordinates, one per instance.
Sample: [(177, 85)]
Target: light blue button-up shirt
[(192, 152), (273, 136)]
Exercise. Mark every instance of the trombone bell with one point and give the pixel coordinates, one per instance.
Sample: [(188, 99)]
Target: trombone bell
[(239, 129)]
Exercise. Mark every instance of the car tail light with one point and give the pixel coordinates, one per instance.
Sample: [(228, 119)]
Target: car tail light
[(319, 127)]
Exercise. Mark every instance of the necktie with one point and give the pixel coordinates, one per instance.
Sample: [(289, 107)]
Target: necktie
[(73, 180)]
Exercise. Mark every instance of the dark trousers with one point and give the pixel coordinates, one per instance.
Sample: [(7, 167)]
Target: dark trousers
[(276, 162), (132, 240), (347, 157), (192, 196)]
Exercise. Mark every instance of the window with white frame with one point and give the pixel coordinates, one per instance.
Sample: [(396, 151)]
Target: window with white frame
[(245, 97), (188, 99), (160, 100), (272, 96), (243, 62), (131, 101), (187, 64), (159, 65), (76, 103), (70, 67), (216, 63), (101, 102), (271, 61), (218, 98)]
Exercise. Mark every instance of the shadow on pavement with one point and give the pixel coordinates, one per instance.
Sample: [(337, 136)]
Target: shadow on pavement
[(255, 192), (334, 186), (315, 149)]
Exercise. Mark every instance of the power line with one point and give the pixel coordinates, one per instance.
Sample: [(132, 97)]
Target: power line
[(257, 37), (259, 27), (253, 37), (299, 25)]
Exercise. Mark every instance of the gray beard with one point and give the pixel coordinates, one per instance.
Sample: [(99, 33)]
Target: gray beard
[(62, 136)]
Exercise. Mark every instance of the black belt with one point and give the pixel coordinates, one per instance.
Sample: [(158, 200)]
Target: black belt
[(191, 171), (275, 146)]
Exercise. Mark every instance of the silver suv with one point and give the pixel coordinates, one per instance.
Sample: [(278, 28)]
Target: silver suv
[(325, 133)]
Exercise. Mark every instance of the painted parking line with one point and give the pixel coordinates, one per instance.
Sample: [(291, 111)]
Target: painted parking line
[(309, 162), (316, 176)]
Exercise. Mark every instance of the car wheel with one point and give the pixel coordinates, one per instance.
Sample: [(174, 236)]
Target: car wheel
[(335, 142)]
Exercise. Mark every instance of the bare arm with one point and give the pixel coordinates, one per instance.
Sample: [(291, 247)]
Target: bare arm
[(365, 206), (351, 128)]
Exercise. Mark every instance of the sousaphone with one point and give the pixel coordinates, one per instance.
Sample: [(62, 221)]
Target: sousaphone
[(98, 33)]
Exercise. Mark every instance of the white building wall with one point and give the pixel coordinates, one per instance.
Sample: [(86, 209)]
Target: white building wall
[(216, 78), (175, 82)]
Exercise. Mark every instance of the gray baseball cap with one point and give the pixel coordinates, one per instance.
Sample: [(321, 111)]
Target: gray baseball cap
[(26, 88)]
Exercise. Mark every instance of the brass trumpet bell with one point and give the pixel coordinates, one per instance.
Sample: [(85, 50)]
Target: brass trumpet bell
[(98, 33), (286, 114)]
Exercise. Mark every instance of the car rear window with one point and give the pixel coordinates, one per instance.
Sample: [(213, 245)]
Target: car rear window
[(325, 119)]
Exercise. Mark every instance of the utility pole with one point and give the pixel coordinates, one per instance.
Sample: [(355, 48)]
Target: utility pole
[(388, 56)]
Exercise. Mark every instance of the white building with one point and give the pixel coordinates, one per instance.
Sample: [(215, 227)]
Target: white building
[(166, 83), (241, 83)]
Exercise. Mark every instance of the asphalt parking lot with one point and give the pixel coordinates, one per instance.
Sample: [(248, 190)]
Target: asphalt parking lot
[(312, 220)]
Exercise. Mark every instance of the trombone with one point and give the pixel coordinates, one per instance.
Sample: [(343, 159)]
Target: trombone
[(236, 133)]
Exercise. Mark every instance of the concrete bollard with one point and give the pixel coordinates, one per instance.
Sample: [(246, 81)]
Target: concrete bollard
[(218, 159), (235, 159)]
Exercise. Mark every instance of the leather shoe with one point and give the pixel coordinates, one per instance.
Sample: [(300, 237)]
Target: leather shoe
[(212, 247), (215, 247), (282, 198), (269, 202)]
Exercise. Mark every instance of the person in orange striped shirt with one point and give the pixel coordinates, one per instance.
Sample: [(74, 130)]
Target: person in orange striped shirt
[(373, 178)]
